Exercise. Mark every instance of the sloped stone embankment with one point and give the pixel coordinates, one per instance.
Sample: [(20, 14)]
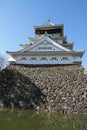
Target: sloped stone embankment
[(49, 88)]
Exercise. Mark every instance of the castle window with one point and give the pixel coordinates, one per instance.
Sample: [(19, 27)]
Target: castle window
[(65, 58), (53, 58), (43, 58), (23, 58), (39, 48), (44, 48), (33, 58)]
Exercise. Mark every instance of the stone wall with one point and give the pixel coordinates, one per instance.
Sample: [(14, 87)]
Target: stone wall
[(46, 88)]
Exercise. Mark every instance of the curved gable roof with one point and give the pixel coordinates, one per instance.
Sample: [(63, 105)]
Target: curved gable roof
[(45, 38)]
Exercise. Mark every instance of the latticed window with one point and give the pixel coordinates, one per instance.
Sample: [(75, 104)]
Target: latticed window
[(45, 48), (43, 58), (64, 58), (33, 58), (23, 58), (53, 58)]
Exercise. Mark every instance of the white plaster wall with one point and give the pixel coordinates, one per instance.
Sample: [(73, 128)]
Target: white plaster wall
[(48, 60)]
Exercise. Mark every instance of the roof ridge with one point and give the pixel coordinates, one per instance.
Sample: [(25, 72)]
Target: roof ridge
[(48, 23)]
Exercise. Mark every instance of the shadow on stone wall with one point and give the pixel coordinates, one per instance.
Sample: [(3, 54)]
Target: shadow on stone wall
[(17, 91), (54, 88)]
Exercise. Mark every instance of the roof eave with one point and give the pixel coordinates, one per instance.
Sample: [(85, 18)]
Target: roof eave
[(73, 53), (51, 26)]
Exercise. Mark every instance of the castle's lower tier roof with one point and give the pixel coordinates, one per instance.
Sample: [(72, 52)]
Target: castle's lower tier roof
[(73, 53)]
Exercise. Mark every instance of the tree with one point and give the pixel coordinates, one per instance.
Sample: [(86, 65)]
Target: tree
[(1, 62)]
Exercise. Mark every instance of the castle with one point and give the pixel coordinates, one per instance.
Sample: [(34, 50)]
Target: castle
[(48, 47), (43, 87)]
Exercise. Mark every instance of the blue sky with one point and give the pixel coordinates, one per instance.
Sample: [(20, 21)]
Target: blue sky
[(17, 18)]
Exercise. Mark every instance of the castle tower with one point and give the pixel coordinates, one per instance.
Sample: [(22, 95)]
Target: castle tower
[(48, 47)]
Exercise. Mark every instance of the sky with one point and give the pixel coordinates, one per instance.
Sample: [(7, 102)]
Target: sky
[(17, 18)]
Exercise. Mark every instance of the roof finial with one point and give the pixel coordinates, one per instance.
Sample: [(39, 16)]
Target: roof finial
[(48, 23)]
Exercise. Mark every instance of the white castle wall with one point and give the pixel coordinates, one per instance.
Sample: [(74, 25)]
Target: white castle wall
[(47, 59)]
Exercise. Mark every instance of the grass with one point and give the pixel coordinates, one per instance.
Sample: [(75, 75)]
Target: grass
[(28, 120)]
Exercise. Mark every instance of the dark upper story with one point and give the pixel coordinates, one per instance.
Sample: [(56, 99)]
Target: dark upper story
[(49, 28)]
